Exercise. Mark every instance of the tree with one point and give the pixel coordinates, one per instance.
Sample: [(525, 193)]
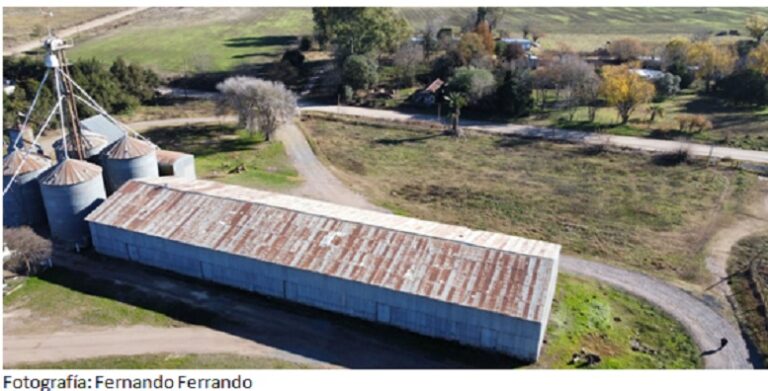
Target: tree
[(30, 251), (407, 59), (745, 87), (675, 60), (457, 101), (260, 104), (429, 39), (101, 84), (468, 86), (134, 80), (476, 83), (483, 29), (625, 90), (359, 72), (626, 49), (513, 95), (360, 30), (655, 111), (758, 59), (586, 92), (713, 62), (757, 25), (666, 86), (471, 46)]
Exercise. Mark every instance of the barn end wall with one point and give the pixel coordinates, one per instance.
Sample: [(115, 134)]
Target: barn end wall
[(516, 337)]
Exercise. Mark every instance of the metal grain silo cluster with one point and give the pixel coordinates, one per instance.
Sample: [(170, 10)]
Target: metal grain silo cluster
[(71, 190), (23, 204), (129, 158), (93, 144)]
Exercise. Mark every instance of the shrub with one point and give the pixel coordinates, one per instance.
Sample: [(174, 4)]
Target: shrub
[(359, 72), (513, 96), (30, 251), (626, 49), (305, 43), (294, 57), (691, 123), (681, 70), (745, 87), (475, 83), (666, 86)]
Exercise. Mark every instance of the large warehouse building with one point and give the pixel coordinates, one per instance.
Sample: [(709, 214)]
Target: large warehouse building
[(479, 288)]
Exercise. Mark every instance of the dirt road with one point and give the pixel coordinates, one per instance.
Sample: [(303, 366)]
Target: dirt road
[(67, 32), (319, 182), (234, 322), (645, 144), (136, 340), (752, 221), (705, 325)]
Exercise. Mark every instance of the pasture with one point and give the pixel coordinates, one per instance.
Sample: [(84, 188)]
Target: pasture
[(640, 211)]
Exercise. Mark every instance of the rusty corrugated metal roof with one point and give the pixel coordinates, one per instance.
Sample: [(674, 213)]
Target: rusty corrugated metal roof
[(434, 86), (486, 270), (70, 172), (15, 159), (90, 141), (169, 157), (129, 148)]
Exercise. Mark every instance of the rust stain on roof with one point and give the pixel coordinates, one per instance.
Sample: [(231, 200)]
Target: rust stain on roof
[(490, 271), (16, 159), (129, 148), (70, 172)]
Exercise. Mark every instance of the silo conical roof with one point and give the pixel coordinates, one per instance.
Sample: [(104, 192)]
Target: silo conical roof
[(130, 148), (165, 156), (70, 172), (15, 159), (91, 140)]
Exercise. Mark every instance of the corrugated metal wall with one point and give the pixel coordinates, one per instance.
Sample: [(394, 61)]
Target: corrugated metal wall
[(517, 337)]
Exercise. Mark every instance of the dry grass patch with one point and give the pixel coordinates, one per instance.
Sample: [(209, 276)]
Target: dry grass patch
[(624, 208)]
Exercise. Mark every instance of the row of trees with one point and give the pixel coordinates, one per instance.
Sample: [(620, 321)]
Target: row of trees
[(119, 87)]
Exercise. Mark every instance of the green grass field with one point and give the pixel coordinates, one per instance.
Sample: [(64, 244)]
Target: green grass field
[(170, 361), (223, 39), (23, 24), (590, 316), (749, 283), (220, 149), (52, 305), (627, 208), (587, 28), (731, 126), (202, 40)]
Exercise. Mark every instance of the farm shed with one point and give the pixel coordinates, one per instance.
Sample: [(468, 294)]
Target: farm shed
[(479, 288)]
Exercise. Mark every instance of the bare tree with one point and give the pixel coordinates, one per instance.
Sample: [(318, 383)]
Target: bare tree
[(30, 252), (406, 59), (261, 105)]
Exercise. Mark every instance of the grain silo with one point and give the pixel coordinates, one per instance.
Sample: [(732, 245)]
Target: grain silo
[(479, 288), (71, 189), (22, 203), (127, 159), (93, 144), (172, 163)]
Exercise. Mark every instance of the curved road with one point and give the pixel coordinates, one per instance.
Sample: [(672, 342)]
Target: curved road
[(705, 324)]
